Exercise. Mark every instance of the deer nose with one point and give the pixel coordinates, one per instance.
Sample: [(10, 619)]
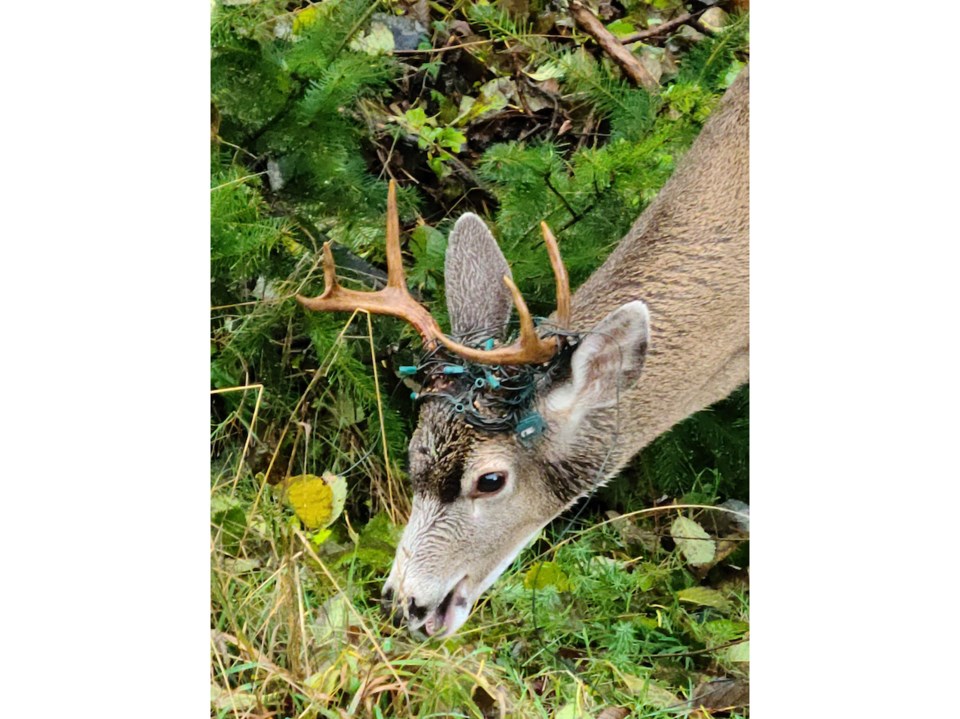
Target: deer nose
[(401, 610), (415, 610), (389, 608)]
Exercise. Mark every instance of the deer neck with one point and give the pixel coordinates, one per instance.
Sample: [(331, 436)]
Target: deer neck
[(687, 258)]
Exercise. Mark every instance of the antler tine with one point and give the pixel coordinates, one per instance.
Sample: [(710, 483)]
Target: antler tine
[(395, 276), (538, 350), (330, 283), (560, 272), (395, 300)]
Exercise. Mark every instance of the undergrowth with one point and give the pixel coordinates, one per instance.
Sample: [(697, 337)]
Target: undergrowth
[(309, 121)]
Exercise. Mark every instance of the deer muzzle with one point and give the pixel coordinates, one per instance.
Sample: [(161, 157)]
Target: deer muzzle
[(433, 617)]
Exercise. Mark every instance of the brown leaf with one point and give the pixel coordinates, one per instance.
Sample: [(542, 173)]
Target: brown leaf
[(719, 695), (549, 87), (487, 703), (614, 713), (421, 11), (460, 27), (632, 535)]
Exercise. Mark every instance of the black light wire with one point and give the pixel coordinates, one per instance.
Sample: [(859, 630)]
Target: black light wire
[(507, 401)]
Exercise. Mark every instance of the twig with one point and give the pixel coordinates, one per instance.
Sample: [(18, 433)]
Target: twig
[(634, 69), (662, 27), (448, 48), (573, 212)]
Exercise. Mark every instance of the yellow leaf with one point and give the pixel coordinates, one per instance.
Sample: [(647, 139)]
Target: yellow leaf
[(304, 19), (292, 246), (317, 501)]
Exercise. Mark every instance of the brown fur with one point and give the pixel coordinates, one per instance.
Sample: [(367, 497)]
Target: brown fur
[(687, 257)]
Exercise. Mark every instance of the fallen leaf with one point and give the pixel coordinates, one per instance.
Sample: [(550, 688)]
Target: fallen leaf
[(718, 695), (460, 27), (492, 707), (235, 701), (650, 59), (630, 533), (715, 19), (694, 543), (377, 41), (494, 96), (317, 501), (738, 652), (652, 694), (705, 597), (570, 711), (333, 619), (241, 565)]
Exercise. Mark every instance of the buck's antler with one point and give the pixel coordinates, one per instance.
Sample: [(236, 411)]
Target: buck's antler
[(395, 300), (560, 272)]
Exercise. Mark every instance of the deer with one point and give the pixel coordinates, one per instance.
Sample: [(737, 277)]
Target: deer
[(509, 436)]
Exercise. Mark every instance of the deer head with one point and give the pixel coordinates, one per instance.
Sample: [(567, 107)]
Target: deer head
[(484, 485)]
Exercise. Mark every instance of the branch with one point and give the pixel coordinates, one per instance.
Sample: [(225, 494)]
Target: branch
[(662, 27), (634, 69)]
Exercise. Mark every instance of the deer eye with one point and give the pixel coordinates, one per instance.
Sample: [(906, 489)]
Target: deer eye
[(491, 482)]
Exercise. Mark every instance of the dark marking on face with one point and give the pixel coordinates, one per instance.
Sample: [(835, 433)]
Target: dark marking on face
[(450, 479), (438, 453), (460, 601)]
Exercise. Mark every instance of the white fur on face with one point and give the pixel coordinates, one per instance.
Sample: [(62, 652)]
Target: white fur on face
[(426, 571)]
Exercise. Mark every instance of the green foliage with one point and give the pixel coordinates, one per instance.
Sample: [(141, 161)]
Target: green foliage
[(242, 237), (497, 21), (285, 105), (292, 100), (438, 141), (594, 194), (708, 452)]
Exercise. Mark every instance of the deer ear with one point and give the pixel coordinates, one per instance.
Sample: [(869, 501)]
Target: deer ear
[(605, 365), (477, 299)]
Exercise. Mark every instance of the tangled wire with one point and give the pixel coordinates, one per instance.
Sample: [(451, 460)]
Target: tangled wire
[(494, 398)]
